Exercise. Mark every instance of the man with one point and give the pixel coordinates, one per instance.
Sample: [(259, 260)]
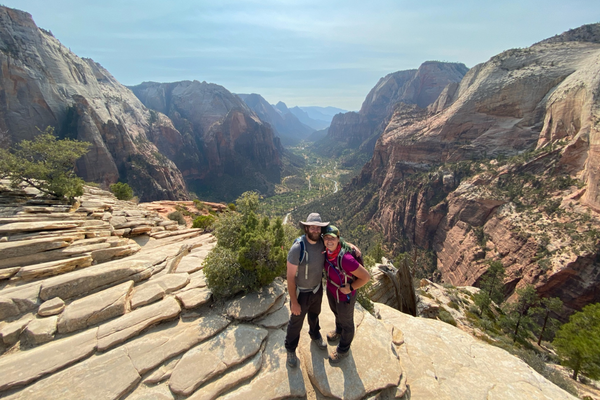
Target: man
[(305, 263)]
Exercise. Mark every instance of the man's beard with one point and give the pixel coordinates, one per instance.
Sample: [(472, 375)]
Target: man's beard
[(314, 236)]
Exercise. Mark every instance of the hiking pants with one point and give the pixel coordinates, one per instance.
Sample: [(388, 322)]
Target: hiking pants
[(344, 320), (310, 303)]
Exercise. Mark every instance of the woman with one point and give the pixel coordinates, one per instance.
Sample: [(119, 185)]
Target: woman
[(344, 275)]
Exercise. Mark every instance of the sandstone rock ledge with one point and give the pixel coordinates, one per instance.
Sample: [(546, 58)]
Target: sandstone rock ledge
[(145, 326), (443, 362)]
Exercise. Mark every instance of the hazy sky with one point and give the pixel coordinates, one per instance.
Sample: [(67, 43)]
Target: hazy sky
[(326, 53)]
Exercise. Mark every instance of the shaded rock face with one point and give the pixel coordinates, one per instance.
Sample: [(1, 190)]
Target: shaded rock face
[(421, 87), (44, 84), (287, 127), (221, 136), (542, 98)]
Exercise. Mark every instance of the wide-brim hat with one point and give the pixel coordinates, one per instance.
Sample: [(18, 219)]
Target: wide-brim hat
[(314, 219)]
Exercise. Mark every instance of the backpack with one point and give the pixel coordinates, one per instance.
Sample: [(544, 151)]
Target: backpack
[(303, 256), (344, 276)]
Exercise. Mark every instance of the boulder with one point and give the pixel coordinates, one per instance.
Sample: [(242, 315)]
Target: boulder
[(229, 379), (194, 297), (41, 330), (51, 307), (276, 319), (10, 332), (84, 281), (27, 247)]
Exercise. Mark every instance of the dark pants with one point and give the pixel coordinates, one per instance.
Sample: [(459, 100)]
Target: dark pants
[(310, 303), (344, 320)]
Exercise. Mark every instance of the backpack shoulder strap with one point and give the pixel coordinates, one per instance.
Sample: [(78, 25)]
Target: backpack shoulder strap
[(300, 240)]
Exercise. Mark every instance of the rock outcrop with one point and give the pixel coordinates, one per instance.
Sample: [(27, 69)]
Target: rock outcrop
[(225, 148), (287, 127), (443, 182), (133, 328), (420, 87), (44, 84)]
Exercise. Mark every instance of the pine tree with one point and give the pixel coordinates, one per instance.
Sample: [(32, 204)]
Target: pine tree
[(578, 342), (45, 163)]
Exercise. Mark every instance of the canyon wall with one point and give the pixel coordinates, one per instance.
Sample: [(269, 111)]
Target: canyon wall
[(42, 83), (226, 148), (421, 87), (502, 166)]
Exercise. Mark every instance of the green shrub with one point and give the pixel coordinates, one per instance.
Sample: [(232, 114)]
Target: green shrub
[(445, 316), (452, 304), (249, 252), (204, 222), (45, 163), (122, 191), (177, 216)]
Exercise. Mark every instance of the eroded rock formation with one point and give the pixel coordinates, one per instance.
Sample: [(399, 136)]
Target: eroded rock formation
[(225, 148), (442, 180), (421, 87), (146, 326), (287, 127), (42, 83)]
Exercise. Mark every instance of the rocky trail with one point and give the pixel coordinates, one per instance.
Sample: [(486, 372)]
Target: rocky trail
[(107, 300)]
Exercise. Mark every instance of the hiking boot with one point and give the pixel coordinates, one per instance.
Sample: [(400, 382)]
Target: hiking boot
[(292, 360), (333, 336), (336, 357), (320, 343)]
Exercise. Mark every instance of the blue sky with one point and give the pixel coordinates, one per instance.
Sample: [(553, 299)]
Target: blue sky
[(305, 52)]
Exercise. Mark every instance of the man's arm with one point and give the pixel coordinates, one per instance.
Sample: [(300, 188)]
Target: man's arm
[(291, 282), (355, 249)]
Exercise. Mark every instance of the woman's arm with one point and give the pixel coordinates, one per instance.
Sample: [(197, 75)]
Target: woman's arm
[(362, 277)]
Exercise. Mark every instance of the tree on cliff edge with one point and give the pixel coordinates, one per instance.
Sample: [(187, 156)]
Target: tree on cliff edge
[(45, 163), (578, 342)]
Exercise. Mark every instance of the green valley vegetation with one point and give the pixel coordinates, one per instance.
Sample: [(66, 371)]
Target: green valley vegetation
[(251, 249), (46, 163), (318, 177)]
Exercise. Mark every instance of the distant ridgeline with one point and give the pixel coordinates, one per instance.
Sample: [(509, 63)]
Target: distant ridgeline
[(500, 166)]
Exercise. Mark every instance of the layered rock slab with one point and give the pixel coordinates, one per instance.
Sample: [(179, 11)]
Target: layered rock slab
[(229, 348), (442, 362), (131, 324), (156, 347), (371, 365), (24, 367), (255, 304), (275, 380), (95, 308), (107, 376)]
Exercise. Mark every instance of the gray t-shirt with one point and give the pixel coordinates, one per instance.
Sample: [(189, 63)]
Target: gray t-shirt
[(316, 260)]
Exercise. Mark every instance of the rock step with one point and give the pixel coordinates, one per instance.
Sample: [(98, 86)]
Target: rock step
[(162, 235)]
